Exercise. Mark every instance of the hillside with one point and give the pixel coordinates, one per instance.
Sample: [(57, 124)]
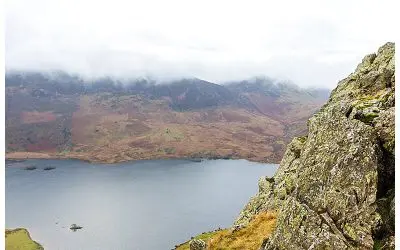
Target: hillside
[(18, 239), (106, 120), (334, 188)]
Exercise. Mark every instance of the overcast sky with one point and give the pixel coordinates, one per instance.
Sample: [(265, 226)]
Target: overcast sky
[(312, 43)]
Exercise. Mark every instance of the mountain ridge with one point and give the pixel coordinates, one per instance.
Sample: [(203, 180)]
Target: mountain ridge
[(71, 117)]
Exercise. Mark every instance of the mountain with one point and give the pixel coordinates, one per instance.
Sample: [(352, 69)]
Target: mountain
[(334, 188), (56, 115)]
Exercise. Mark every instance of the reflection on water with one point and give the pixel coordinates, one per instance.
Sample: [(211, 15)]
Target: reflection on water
[(136, 205)]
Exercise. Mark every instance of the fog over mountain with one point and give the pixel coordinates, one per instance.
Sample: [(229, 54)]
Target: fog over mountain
[(61, 114), (312, 43)]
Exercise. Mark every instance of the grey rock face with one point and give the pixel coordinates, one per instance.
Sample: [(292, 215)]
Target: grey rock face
[(197, 244), (334, 187)]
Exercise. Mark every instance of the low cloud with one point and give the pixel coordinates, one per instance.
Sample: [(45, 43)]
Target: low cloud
[(312, 43)]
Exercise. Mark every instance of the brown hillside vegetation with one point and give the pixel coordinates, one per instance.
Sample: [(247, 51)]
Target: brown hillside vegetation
[(186, 119), (37, 117)]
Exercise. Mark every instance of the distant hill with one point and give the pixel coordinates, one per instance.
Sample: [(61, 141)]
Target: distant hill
[(109, 120)]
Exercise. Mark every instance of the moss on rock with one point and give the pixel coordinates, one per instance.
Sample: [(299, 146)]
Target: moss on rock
[(19, 239)]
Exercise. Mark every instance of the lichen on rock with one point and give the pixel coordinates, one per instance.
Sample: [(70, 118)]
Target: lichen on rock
[(334, 187), (197, 244)]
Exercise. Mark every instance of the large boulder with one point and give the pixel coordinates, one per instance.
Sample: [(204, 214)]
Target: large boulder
[(334, 187)]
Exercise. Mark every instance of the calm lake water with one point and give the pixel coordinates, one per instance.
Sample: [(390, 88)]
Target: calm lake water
[(142, 205)]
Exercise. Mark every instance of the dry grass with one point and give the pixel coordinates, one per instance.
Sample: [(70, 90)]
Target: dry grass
[(204, 236), (249, 237), (246, 238)]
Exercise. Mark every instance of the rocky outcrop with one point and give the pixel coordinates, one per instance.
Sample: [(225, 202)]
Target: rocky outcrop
[(197, 244), (334, 188)]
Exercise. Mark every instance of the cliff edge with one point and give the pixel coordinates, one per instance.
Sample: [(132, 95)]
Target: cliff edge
[(334, 188)]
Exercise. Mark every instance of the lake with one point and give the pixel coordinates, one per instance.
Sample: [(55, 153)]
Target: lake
[(142, 205)]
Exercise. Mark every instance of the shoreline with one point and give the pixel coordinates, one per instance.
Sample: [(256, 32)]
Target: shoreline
[(16, 156)]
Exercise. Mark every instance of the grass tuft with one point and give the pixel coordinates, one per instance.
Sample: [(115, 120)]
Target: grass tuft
[(250, 237)]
